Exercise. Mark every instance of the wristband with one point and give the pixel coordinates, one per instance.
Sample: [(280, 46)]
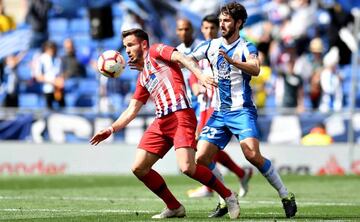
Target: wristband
[(112, 130)]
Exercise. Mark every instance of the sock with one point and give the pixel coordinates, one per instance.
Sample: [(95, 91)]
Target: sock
[(273, 178), (157, 185), (225, 160), (220, 177), (204, 176)]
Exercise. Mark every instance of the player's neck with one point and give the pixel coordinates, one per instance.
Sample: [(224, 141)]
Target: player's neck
[(189, 43), (232, 38)]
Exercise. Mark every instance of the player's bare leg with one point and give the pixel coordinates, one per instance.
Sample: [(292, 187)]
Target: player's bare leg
[(250, 148), (142, 168)]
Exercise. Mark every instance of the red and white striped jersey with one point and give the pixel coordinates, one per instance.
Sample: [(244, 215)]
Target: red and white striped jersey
[(163, 81)]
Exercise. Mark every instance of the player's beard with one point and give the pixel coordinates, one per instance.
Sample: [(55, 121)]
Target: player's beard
[(229, 33)]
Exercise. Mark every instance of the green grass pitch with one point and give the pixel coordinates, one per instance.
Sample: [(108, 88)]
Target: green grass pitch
[(124, 198)]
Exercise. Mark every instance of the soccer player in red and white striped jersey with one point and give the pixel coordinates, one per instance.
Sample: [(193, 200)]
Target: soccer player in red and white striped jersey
[(175, 121)]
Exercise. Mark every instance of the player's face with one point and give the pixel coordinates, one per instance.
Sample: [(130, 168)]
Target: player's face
[(134, 49), (209, 30), (184, 31), (228, 26)]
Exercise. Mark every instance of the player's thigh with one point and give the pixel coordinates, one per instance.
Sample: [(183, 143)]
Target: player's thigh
[(205, 152), (143, 162)]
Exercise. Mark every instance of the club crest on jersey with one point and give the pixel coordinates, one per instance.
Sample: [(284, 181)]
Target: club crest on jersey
[(224, 69), (148, 65)]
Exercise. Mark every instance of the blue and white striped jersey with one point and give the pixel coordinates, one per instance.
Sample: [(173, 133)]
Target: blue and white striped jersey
[(233, 90)]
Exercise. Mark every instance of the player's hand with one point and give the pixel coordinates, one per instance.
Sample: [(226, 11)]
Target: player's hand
[(208, 81), (223, 53), (100, 136), (135, 66)]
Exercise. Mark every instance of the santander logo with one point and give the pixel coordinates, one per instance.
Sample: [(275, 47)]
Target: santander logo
[(39, 167)]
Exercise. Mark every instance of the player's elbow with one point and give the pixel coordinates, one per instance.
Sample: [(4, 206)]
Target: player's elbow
[(256, 71)]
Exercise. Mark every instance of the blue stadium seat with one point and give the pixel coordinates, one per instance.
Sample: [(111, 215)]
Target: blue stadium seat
[(24, 71), (31, 100), (117, 23), (71, 85), (270, 101), (88, 86), (82, 40), (58, 25), (112, 43), (70, 99), (85, 100), (116, 10), (81, 25)]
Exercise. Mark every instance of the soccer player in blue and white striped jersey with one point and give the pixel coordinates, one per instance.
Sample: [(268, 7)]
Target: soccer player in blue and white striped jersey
[(234, 61)]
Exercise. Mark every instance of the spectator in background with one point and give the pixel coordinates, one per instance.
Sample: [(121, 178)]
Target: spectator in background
[(309, 67), (70, 66), (289, 88), (331, 83), (37, 18), (317, 137), (47, 72), (11, 80), (6, 22), (259, 84)]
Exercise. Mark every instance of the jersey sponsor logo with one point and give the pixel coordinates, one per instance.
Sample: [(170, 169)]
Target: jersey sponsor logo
[(224, 70), (152, 83)]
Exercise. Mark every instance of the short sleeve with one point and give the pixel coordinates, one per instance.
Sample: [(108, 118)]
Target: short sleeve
[(141, 92), (250, 49), (200, 51), (161, 51)]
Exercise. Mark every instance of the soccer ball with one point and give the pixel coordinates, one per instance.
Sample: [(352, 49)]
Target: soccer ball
[(111, 64)]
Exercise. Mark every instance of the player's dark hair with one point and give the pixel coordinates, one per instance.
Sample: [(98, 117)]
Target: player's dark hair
[(213, 19), (236, 10), (139, 33)]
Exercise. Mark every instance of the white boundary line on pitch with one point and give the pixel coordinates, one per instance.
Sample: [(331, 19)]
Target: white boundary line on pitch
[(65, 210), (77, 198)]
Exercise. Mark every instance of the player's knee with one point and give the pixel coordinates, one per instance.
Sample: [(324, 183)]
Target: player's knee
[(250, 155), (139, 171), (203, 160), (188, 169)]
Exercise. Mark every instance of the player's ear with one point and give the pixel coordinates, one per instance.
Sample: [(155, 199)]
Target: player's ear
[(239, 23), (144, 44)]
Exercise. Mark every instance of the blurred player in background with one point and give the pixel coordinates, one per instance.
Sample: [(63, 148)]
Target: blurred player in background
[(185, 33), (234, 61), (175, 121), (207, 99)]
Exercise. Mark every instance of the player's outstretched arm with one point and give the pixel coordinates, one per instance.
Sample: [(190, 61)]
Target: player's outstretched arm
[(125, 118), (187, 62), (251, 66)]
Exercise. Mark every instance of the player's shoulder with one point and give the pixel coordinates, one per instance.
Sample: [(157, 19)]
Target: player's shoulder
[(207, 44), (158, 46)]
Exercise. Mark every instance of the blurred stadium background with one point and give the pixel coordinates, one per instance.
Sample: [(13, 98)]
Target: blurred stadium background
[(317, 39)]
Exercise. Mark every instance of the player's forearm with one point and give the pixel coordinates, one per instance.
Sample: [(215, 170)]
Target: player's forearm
[(126, 117), (192, 66), (187, 62), (250, 68)]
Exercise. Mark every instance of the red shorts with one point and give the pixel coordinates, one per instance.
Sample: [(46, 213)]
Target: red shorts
[(175, 129), (204, 117)]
